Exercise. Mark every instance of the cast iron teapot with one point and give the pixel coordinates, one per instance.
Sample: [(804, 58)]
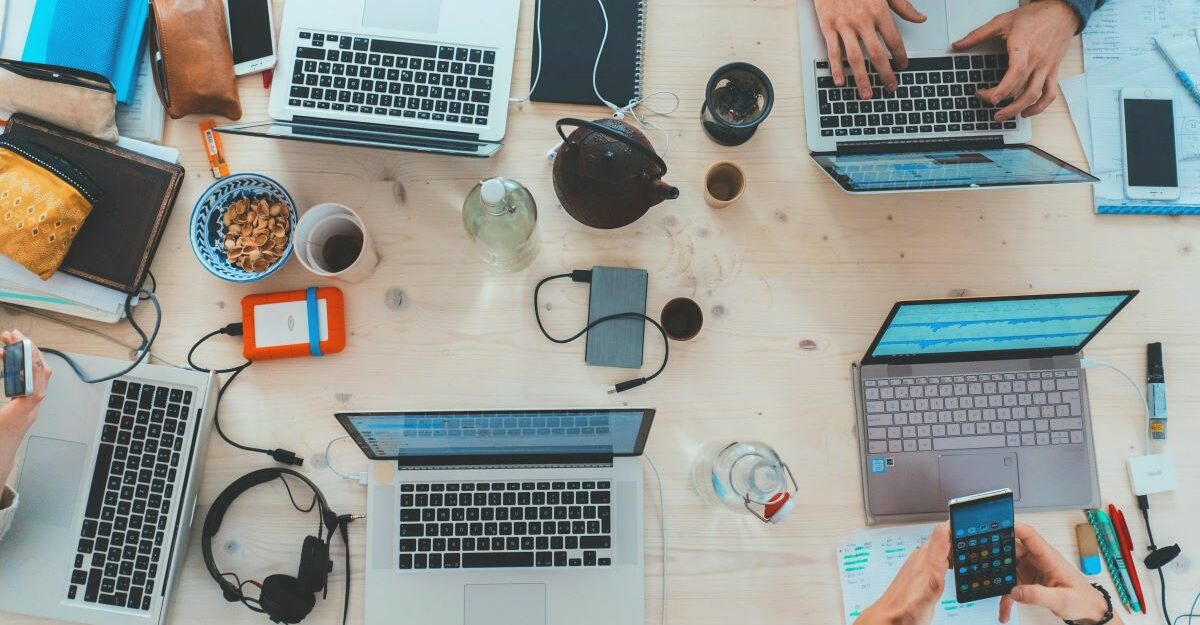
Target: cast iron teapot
[(606, 173)]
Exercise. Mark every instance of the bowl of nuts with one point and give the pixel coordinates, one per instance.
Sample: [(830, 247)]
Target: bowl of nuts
[(241, 227)]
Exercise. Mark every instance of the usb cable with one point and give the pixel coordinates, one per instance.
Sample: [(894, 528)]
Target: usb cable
[(585, 276)]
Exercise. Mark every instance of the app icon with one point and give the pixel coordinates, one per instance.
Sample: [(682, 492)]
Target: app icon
[(1008, 578), (958, 533), (961, 545)]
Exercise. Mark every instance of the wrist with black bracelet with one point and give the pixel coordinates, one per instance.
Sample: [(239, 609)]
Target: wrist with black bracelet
[(1108, 609)]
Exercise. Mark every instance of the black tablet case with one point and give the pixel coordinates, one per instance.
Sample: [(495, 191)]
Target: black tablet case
[(571, 31)]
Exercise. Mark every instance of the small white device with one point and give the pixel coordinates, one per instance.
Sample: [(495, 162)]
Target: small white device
[(1152, 474), (252, 35), (1148, 135)]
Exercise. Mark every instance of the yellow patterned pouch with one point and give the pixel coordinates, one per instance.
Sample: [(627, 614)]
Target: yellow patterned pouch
[(44, 200)]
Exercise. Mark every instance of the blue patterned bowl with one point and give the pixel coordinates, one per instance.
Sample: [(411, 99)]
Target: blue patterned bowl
[(208, 230)]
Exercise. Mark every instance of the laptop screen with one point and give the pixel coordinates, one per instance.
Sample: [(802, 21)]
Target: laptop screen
[(1028, 326), (948, 169), (499, 435)]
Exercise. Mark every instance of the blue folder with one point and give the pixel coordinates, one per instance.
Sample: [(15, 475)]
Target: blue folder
[(102, 36)]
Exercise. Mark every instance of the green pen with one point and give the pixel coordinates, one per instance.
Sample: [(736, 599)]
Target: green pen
[(1120, 576)]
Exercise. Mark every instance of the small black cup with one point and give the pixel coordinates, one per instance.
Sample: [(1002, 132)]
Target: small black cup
[(682, 319), (738, 98)]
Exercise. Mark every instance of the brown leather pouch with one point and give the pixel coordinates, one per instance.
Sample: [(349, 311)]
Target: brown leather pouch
[(193, 59)]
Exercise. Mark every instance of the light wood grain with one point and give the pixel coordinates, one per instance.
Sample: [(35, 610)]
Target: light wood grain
[(794, 280)]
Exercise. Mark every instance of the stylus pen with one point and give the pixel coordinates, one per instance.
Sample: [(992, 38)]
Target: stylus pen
[(1156, 381), (1183, 76)]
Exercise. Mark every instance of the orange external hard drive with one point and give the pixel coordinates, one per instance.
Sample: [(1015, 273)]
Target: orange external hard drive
[(292, 324)]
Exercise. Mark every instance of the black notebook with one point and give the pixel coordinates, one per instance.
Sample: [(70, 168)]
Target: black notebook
[(571, 32)]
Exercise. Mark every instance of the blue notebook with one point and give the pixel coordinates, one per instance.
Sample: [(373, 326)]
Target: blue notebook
[(105, 37), (1149, 209)]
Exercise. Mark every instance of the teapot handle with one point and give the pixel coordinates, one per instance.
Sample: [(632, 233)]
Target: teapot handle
[(604, 130)]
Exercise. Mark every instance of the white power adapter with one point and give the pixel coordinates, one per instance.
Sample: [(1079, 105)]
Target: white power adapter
[(1154, 473)]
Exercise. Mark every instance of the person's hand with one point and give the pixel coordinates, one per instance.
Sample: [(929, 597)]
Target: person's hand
[(1046, 579), (917, 588), (852, 30), (1037, 36), (20, 412)]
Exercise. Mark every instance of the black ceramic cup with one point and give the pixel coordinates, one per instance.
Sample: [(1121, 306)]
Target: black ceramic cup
[(682, 319)]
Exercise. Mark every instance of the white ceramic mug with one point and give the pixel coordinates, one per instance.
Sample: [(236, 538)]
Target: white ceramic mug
[(323, 222)]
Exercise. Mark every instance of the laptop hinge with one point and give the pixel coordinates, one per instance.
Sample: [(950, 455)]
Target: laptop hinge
[(889, 146), (403, 131), (557, 461)]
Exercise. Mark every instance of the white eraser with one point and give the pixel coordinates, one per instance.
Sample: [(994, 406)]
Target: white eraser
[(1152, 474)]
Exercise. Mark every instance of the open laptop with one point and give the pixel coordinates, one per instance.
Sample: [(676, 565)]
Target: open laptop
[(423, 75), (503, 517), (932, 134), (108, 489), (962, 396)]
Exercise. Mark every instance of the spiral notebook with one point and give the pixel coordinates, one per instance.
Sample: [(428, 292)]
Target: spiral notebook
[(571, 34)]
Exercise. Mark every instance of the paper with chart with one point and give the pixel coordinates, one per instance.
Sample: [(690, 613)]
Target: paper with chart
[(1103, 99), (873, 557), (1121, 29)]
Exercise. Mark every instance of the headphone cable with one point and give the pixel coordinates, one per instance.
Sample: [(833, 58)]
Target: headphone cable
[(143, 350), (585, 275)]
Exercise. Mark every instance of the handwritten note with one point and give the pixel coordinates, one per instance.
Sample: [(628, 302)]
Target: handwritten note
[(1121, 29), (873, 557)]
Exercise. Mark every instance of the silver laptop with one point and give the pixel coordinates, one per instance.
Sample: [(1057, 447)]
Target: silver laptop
[(501, 517), (108, 489), (423, 75), (932, 133), (963, 396)]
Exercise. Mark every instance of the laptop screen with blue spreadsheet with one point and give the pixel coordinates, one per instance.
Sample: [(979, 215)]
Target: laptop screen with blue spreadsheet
[(499, 435), (947, 169), (1029, 326)]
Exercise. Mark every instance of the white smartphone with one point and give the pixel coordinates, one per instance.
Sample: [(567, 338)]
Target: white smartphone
[(1148, 133), (251, 35)]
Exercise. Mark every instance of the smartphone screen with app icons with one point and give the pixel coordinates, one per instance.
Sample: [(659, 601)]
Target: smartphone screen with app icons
[(983, 546)]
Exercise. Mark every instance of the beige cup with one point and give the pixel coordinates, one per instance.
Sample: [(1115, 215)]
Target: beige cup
[(724, 184), (325, 239)]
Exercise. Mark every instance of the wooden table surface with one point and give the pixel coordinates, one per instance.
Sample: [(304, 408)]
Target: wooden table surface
[(794, 281)]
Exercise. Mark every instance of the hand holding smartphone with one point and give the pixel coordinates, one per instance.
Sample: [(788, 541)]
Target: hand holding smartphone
[(983, 548), (1148, 134), (18, 369)]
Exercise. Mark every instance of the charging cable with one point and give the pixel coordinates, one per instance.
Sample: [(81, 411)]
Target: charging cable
[(1088, 363), (143, 350), (619, 112), (283, 456), (662, 524), (361, 478), (585, 275)]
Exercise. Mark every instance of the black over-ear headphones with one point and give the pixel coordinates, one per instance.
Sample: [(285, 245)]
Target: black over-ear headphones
[(283, 598)]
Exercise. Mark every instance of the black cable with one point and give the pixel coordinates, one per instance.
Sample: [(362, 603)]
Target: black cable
[(1158, 561), (583, 275), (283, 456), (143, 350), (344, 521)]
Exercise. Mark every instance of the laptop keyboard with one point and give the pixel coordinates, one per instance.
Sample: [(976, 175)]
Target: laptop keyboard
[(505, 524), (385, 77), (125, 521), (973, 411), (935, 94)]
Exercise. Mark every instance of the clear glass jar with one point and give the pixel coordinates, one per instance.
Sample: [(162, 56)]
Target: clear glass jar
[(500, 217)]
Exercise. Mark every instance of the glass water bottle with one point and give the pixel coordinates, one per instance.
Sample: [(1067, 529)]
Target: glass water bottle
[(500, 216)]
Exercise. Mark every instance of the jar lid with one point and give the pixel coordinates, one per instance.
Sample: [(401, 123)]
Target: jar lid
[(492, 191)]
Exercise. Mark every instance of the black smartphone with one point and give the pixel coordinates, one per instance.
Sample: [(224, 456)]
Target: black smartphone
[(984, 548), (18, 369)]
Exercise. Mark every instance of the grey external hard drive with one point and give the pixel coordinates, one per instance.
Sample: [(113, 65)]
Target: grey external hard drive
[(617, 343)]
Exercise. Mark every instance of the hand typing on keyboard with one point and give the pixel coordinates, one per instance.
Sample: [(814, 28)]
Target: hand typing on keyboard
[(1037, 35), (853, 29)]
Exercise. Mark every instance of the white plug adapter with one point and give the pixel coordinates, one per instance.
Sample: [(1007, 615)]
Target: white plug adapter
[(1154, 473)]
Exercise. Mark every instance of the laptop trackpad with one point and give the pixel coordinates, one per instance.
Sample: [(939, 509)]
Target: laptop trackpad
[(505, 604), (50, 478), (968, 474), (410, 15)]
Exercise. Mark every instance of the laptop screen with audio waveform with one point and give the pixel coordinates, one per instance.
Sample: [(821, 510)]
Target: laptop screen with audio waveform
[(996, 325)]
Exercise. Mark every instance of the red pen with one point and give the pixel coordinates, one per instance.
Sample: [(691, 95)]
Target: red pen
[(1127, 551)]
